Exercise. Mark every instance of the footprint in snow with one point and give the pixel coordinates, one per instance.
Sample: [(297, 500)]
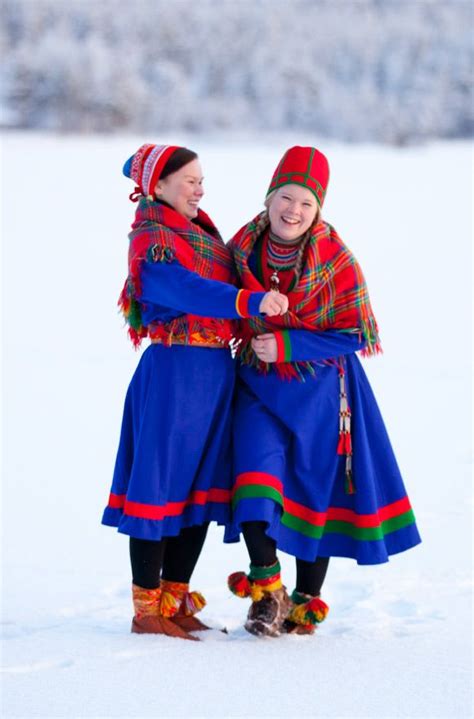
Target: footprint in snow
[(350, 595), (12, 630), (37, 667), (402, 608)]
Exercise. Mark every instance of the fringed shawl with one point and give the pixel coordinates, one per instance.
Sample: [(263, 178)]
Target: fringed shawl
[(331, 293), (160, 234)]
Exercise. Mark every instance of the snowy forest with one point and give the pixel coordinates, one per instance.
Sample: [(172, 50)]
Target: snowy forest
[(352, 70)]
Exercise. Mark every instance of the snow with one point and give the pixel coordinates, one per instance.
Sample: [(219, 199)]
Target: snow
[(397, 639)]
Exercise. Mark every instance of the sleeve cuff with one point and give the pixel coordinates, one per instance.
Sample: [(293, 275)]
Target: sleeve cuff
[(254, 303), (247, 303), (283, 345)]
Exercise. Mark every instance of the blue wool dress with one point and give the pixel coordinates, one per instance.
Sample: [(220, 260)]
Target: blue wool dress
[(173, 466), (288, 474)]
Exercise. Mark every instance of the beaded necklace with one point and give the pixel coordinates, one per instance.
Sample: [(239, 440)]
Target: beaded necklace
[(281, 257)]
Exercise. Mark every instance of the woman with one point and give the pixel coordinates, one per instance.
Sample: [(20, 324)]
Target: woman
[(321, 479), (172, 473)]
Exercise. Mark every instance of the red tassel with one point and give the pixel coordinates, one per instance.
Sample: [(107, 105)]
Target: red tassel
[(350, 489), (349, 484), (344, 445), (239, 584), (341, 444), (347, 443)]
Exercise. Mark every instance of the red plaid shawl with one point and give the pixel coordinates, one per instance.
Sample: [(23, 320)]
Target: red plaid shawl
[(160, 234), (331, 293)]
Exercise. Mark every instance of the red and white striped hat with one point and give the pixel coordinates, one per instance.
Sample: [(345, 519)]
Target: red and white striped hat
[(146, 165)]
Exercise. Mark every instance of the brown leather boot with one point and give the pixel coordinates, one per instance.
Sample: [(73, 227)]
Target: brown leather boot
[(189, 624), (148, 618), (180, 605), (266, 616), (159, 625)]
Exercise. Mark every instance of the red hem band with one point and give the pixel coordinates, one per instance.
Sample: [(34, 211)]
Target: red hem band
[(171, 509), (333, 513)]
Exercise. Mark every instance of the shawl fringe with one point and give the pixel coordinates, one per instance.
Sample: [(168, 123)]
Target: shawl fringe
[(331, 294), (160, 234)]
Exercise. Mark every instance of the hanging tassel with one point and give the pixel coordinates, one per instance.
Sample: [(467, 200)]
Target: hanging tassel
[(192, 603), (344, 445), (169, 603), (307, 610), (347, 443), (253, 586), (349, 483), (341, 444), (239, 584)]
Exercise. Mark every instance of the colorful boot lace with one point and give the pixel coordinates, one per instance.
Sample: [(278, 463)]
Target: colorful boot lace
[(270, 602), (178, 603), (148, 618)]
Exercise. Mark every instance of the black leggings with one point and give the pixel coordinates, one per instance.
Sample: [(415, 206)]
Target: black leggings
[(262, 552), (173, 558)]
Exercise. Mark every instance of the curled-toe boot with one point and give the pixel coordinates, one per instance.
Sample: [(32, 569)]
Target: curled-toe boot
[(180, 605), (148, 618)]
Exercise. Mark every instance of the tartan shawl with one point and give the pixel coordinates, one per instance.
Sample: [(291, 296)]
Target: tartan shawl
[(331, 293), (160, 234)]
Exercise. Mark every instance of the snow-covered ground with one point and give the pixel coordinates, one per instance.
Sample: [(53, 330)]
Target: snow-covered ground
[(397, 640)]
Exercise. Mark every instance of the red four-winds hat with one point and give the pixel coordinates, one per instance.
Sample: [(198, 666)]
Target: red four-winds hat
[(146, 165), (304, 166)]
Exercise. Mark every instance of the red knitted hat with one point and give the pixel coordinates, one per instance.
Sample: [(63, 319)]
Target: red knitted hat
[(304, 166), (145, 166)]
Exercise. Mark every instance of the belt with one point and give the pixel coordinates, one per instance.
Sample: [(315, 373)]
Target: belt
[(216, 344)]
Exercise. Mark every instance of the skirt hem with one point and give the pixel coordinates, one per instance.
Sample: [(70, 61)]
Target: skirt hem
[(333, 544), (155, 530)]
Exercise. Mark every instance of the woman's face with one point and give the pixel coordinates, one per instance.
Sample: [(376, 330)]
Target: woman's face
[(183, 189), (292, 211)]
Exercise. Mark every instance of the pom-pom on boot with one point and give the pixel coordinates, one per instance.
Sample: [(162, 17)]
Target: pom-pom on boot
[(270, 602), (306, 612), (180, 605), (148, 618)]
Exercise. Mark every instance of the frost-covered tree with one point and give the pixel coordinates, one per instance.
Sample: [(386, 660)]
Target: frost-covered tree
[(352, 69)]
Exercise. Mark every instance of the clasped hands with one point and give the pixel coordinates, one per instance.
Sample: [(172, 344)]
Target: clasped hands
[(265, 346), (273, 303)]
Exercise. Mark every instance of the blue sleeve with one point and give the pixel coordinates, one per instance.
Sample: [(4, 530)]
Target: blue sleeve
[(169, 284), (295, 345)]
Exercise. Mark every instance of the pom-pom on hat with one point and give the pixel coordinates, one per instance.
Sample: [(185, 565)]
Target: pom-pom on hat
[(304, 166), (146, 165)]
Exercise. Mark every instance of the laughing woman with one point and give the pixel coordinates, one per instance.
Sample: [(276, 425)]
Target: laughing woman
[(315, 474), (172, 473)]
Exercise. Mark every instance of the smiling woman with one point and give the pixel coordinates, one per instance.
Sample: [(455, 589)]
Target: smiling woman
[(292, 210), (173, 468), (315, 474), (183, 188)]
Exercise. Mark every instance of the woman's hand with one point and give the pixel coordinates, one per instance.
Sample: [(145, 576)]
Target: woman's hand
[(274, 303), (265, 347)]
